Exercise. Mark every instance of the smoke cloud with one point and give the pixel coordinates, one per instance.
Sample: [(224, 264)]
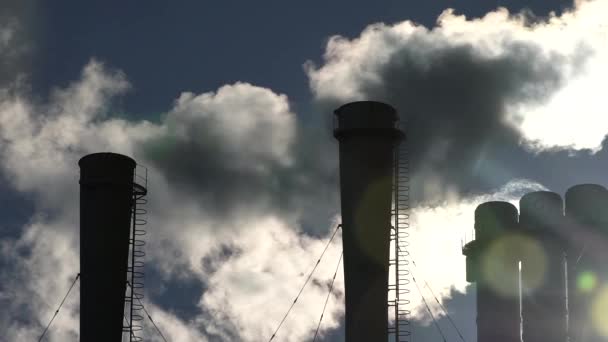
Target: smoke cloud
[(473, 94), (241, 152)]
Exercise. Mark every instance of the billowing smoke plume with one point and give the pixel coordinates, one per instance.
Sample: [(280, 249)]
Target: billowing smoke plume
[(469, 92), (241, 152)]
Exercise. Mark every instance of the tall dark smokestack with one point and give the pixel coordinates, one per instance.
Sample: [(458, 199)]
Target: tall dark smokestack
[(106, 190), (367, 133), (492, 263), (543, 268), (586, 211)]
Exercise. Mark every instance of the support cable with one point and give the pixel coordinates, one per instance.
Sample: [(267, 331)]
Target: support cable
[(331, 286), (60, 305), (428, 308), (149, 317), (580, 255), (305, 283), (445, 311)]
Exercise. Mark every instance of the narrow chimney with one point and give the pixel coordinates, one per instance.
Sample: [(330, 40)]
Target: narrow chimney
[(367, 134), (586, 214), (106, 194), (493, 265), (543, 268)]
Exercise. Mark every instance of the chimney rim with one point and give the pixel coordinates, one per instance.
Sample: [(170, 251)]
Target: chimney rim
[(370, 103), (99, 156)]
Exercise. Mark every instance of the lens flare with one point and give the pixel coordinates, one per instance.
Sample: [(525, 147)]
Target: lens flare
[(599, 312), (500, 266), (534, 264), (586, 281), (374, 207)]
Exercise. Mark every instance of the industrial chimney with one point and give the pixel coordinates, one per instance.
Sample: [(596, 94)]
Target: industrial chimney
[(586, 206), (367, 132), (492, 263), (106, 198), (543, 268)]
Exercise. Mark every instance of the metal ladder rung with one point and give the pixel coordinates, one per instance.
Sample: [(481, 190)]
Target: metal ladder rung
[(398, 237)]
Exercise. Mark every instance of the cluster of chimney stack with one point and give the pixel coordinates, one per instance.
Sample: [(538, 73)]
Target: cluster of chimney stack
[(530, 268)]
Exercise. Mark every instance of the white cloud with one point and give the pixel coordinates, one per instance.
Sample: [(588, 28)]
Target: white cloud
[(256, 287), (42, 142), (43, 264), (171, 327), (243, 114)]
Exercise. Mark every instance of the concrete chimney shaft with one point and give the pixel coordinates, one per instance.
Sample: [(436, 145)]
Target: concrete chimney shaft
[(492, 264), (587, 217), (368, 133), (543, 276), (106, 193)]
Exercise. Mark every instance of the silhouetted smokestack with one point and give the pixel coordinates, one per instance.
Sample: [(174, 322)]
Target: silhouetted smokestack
[(367, 133), (492, 262), (586, 211), (543, 268), (106, 193)]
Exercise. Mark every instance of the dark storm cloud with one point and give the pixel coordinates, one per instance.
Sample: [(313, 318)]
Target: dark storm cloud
[(454, 103)]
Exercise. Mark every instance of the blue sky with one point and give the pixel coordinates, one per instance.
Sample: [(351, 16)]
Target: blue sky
[(229, 105), (198, 46)]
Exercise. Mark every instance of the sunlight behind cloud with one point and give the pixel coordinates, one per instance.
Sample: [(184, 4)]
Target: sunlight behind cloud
[(567, 112)]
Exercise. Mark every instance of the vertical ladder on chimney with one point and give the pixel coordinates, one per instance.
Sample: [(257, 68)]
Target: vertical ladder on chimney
[(135, 271), (399, 312)]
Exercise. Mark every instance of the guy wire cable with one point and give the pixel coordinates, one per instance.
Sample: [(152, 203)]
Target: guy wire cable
[(306, 282)]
